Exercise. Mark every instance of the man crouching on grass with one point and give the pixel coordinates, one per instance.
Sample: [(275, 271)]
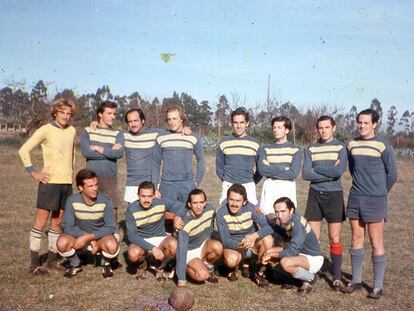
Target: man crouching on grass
[(89, 222), (302, 256), (237, 220)]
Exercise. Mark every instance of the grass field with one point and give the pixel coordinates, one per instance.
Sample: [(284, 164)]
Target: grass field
[(89, 291)]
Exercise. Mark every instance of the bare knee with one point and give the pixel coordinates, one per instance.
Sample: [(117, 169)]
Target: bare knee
[(171, 247), (202, 275), (232, 259), (111, 245), (135, 253), (63, 243), (286, 264), (217, 248)]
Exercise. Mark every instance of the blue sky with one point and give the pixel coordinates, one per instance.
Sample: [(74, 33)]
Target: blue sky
[(317, 52)]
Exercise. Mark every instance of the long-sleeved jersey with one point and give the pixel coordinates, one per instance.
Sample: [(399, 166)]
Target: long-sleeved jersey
[(103, 164), (302, 239), (139, 149), (81, 218), (320, 166), (144, 223), (58, 152), (236, 159), (233, 228), (284, 161), (175, 151), (196, 230), (372, 166)]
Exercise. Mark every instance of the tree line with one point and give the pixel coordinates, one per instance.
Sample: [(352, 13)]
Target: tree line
[(212, 120)]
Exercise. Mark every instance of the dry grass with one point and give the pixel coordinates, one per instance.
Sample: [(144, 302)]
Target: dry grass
[(90, 291)]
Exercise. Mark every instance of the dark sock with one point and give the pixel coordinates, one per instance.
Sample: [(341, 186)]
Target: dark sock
[(378, 264), (74, 260), (336, 258), (34, 256), (357, 260)]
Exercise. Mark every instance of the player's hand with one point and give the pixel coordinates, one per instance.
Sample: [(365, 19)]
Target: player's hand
[(265, 259), (94, 125), (97, 148), (182, 283), (265, 162), (41, 177), (249, 240), (187, 130), (116, 146), (178, 223), (157, 194), (82, 241), (94, 245), (337, 162), (157, 253)]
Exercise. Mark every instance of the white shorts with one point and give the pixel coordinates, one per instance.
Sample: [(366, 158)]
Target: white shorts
[(156, 240), (315, 262), (131, 194), (250, 189), (195, 253), (275, 189)]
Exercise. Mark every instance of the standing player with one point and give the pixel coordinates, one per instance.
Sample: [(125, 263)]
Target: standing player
[(374, 171), (55, 179), (302, 256), (175, 152), (197, 252), (236, 157), (237, 220), (280, 163), (325, 162), (89, 221), (102, 147), (146, 232)]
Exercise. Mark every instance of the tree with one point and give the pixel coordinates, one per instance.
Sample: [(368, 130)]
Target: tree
[(391, 120), (376, 105), (404, 123), (222, 114)]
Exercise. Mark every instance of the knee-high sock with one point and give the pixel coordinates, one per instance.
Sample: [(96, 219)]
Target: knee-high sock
[(357, 260), (378, 264), (52, 237), (304, 275), (336, 258), (35, 237)]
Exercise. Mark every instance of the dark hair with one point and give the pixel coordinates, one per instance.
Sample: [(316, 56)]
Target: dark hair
[(240, 112), (287, 201), (105, 104), (83, 174), (374, 115), (195, 192), (146, 185), (325, 118), (286, 121), (139, 111), (239, 189)]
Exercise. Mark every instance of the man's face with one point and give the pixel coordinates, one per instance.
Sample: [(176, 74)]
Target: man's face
[(280, 132), (365, 126), (174, 121), (146, 197), (326, 131), (89, 188), (63, 116), (107, 117), (197, 204), (134, 122), (239, 125), (283, 214), (235, 202)]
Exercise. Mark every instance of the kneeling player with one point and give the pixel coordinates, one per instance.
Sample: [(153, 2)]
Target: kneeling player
[(195, 248), (88, 221), (237, 221), (145, 222), (302, 256)]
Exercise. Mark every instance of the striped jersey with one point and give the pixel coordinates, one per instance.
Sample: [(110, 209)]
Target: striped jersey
[(236, 159), (372, 166), (57, 149), (321, 168), (284, 161), (144, 223), (233, 228), (301, 237), (103, 164), (175, 151), (81, 218), (196, 230)]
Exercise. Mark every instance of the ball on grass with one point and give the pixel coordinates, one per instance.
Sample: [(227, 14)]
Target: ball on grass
[(181, 298)]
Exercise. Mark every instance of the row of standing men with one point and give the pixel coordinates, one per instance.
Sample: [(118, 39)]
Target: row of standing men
[(239, 160)]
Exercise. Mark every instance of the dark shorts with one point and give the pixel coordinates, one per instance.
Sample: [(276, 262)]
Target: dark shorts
[(367, 208), (53, 196), (176, 190), (328, 205), (109, 186)]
